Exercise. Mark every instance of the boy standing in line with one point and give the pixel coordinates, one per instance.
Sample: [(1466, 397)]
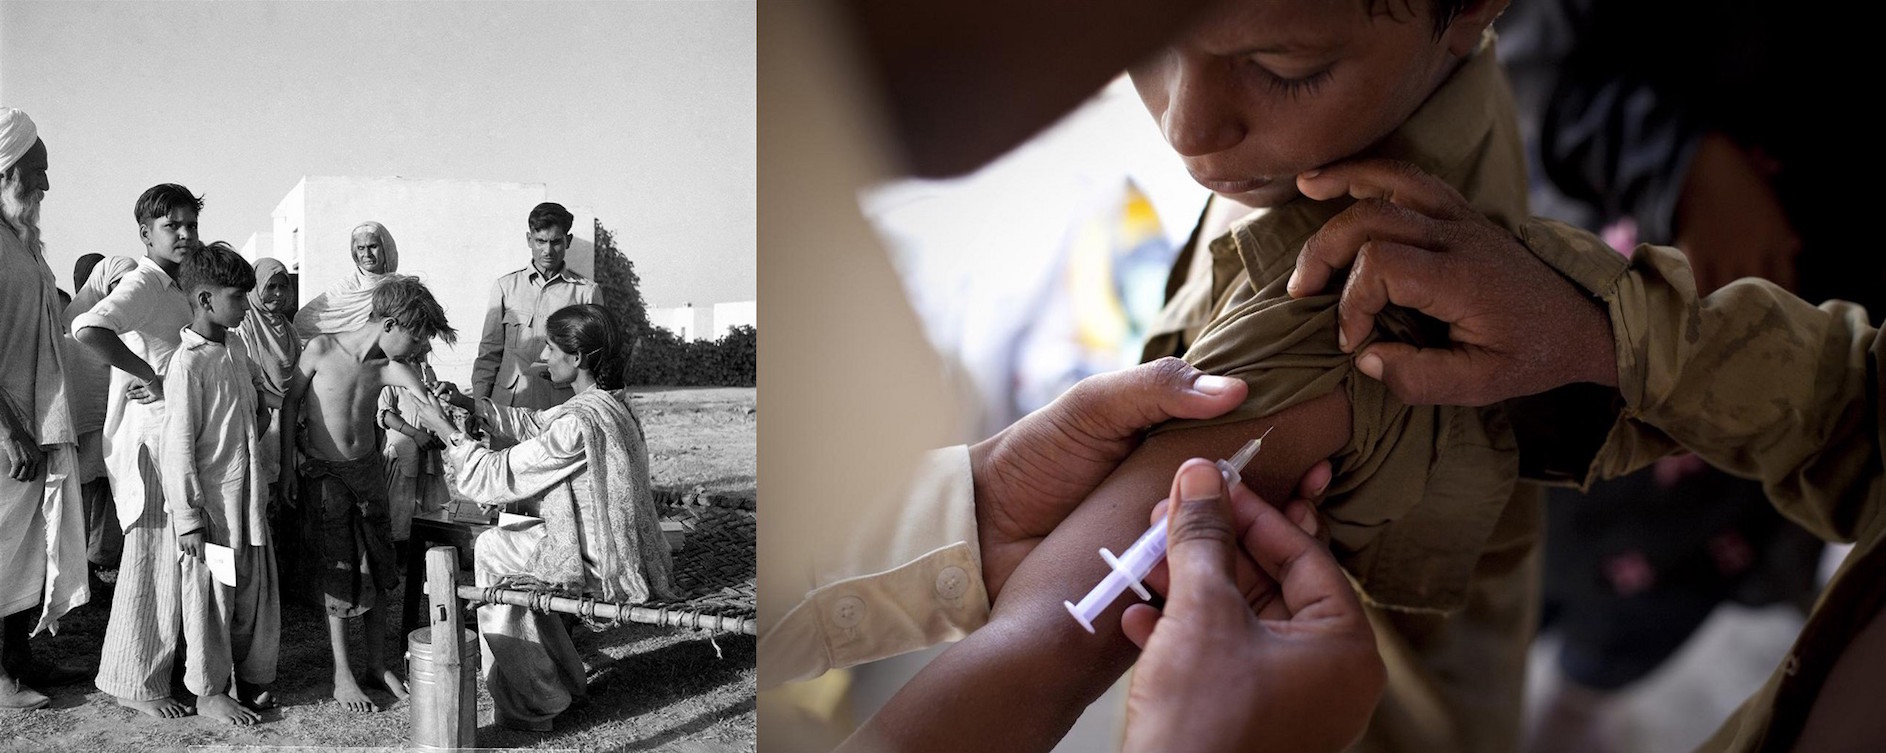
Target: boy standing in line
[(136, 329), (216, 493)]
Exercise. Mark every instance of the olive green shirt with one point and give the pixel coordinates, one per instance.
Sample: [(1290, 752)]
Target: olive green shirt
[(1418, 489), (1763, 385)]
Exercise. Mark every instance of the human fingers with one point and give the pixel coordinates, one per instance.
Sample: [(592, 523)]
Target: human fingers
[(1335, 245), (1312, 584), (1200, 537), (1138, 623), (1258, 587), (1118, 404), (1315, 481), (19, 469), (1390, 180), (1387, 272), (1432, 376)]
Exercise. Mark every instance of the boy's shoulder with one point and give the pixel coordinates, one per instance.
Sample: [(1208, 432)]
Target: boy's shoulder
[(318, 347)]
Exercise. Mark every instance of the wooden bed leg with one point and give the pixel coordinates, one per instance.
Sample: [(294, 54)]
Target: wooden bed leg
[(445, 713)]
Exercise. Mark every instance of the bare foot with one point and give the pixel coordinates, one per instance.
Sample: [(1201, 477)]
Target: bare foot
[(348, 693), (227, 709), (17, 697), (387, 681), (162, 708), (254, 696)]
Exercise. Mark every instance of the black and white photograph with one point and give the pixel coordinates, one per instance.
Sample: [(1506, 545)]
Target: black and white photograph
[(378, 375)]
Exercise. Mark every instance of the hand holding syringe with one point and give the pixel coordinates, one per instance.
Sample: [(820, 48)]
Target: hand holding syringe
[(1148, 551)]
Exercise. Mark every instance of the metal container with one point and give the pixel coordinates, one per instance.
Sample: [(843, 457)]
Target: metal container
[(431, 721)]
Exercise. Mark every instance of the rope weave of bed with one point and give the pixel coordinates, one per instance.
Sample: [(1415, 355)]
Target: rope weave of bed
[(714, 573)]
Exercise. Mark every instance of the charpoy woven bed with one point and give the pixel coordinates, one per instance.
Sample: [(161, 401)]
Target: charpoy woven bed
[(714, 572)]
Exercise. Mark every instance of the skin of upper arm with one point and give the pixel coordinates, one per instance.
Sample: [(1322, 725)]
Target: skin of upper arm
[(1031, 642)]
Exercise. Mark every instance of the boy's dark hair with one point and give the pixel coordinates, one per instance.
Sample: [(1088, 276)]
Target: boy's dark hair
[(1442, 11), (159, 200), (551, 214), (587, 331), (406, 302), (216, 265)]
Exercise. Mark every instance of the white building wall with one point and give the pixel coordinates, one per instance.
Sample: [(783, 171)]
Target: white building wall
[(458, 236), (688, 322), (735, 314), (260, 245)]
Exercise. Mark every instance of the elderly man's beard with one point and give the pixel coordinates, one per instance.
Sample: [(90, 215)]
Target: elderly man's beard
[(19, 207)]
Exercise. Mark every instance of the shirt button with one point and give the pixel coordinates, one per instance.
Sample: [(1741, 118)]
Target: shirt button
[(848, 612), (951, 582)]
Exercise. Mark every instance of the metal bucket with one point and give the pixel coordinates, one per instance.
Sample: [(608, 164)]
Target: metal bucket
[(431, 726)]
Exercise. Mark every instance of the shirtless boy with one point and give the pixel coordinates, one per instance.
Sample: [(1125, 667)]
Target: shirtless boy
[(337, 387)]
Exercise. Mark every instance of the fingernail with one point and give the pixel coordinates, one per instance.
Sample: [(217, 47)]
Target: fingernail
[(1342, 338), (1311, 173), (1292, 284), (1211, 385), (1306, 520), (1324, 486), (1199, 482), (1370, 364)]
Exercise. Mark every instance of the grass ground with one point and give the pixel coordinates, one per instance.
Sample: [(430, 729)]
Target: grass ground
[(650, 688)]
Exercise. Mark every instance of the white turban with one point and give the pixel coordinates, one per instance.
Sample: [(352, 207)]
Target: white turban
[(17, 134)]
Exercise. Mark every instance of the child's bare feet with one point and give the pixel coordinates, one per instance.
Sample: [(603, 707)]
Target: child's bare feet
[(386, 680), (162, 708), (348, 693), (227, 709)]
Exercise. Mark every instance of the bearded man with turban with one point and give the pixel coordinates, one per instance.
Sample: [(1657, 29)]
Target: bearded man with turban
[(42, 529)]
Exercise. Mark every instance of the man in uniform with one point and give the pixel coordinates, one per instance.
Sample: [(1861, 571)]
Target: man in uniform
[(509, 369)]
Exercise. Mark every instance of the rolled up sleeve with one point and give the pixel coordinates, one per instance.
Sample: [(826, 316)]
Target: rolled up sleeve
[(910, 579)]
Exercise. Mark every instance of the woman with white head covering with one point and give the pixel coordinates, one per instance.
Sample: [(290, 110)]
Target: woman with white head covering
[(88, 379), (346, 305)]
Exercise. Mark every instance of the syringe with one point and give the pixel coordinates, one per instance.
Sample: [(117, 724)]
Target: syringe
[(1146, 553)]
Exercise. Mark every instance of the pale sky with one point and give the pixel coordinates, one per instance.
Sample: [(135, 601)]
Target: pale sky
[(644, 112)]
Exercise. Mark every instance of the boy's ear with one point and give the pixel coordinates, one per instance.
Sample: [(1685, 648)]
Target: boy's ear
[(1476, 16), (203, 299)]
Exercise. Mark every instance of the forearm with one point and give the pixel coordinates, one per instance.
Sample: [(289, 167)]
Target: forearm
[(985, 693), (391, 421), (1757, 382), (106, 345)]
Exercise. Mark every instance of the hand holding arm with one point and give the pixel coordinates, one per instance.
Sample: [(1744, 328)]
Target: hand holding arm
[(1032, 474)]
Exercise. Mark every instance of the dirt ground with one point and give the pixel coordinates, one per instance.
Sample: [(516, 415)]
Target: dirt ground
[(650, 688)]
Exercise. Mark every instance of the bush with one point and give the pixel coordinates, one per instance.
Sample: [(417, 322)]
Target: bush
[(661, 358)]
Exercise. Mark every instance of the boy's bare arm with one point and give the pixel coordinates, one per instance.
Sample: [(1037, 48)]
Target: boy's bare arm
[(1020, 682), (297, 390), (402, 375), (106, 345)]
